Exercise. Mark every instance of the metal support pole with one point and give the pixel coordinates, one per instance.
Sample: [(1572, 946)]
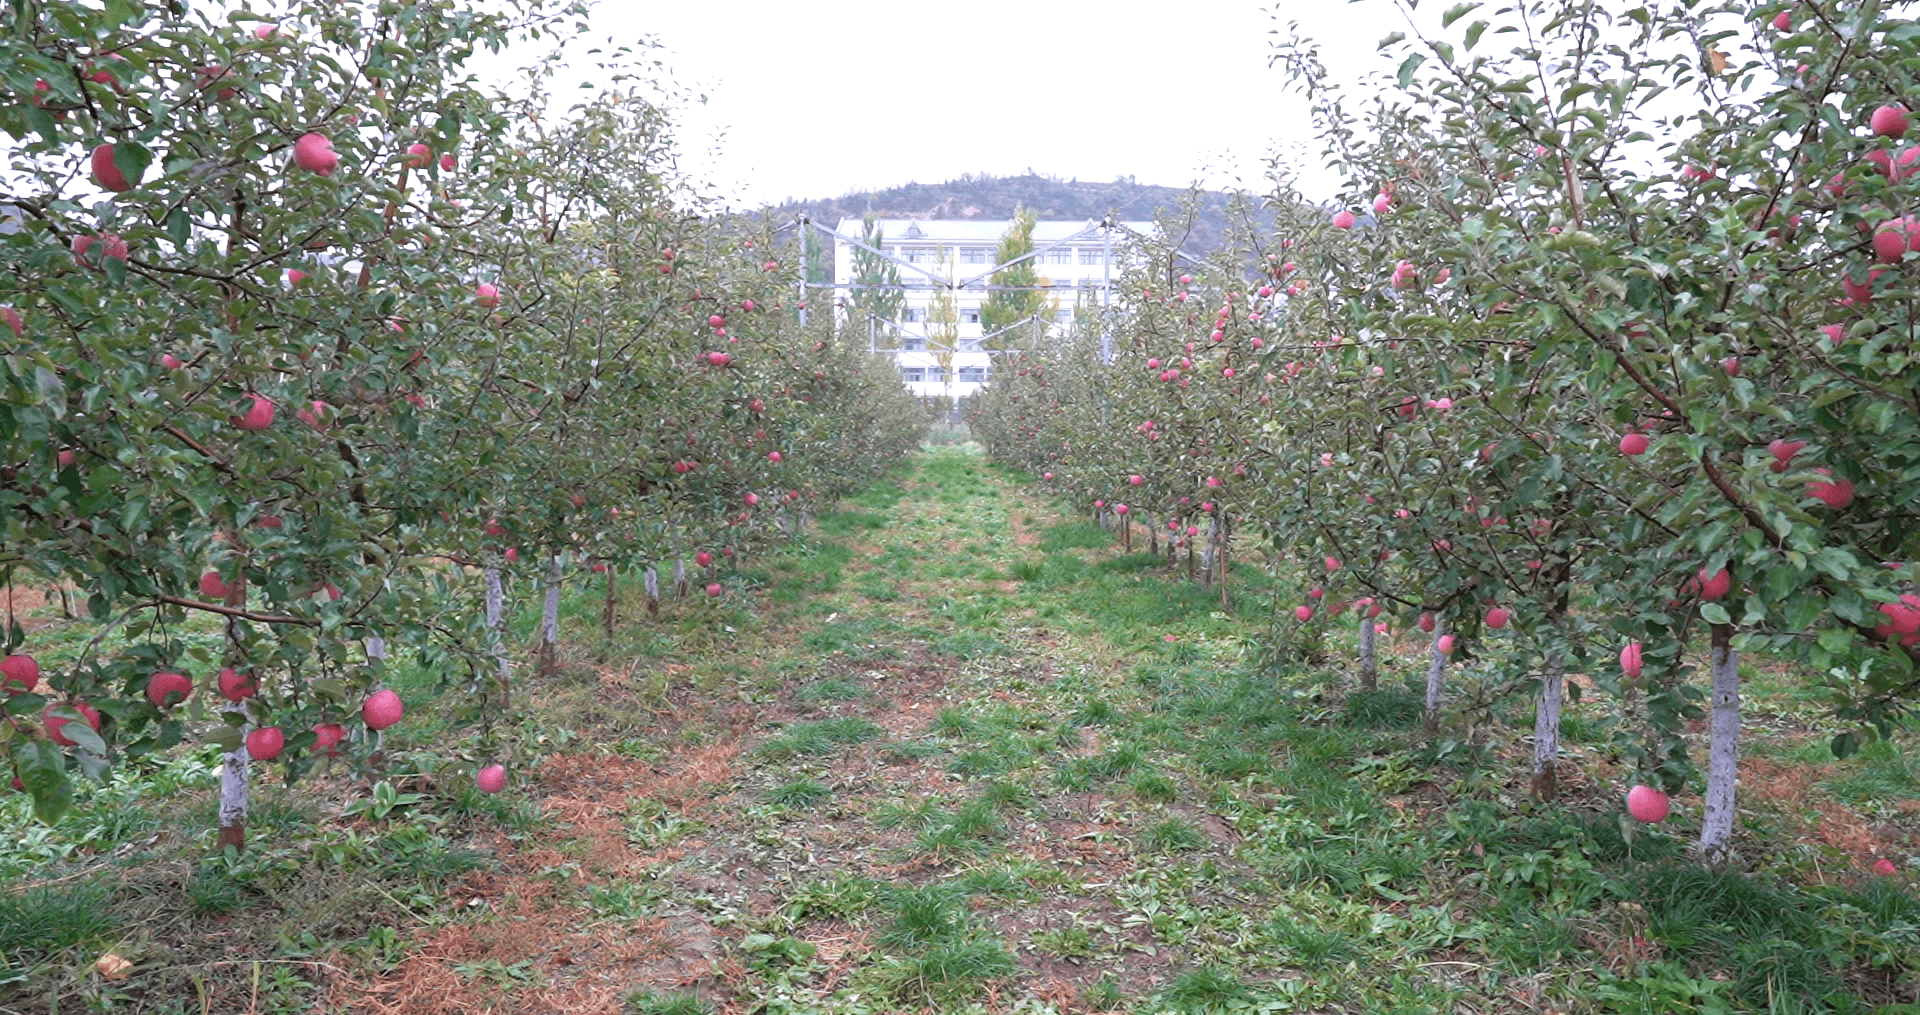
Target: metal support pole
[(1106, 291), (806, 237)]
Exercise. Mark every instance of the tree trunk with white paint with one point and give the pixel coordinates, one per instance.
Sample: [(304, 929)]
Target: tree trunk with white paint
[(1153, 535), (1226, 546), (1723, 747), (496, 630), (550, 620), (1436, 675), (234, 786), (680, 578), (653, 591), (1546, 731)]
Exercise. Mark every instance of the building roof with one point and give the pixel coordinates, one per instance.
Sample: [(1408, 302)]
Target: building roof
[(972, 230)]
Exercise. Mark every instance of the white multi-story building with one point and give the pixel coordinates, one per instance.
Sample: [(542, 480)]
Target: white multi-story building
[(957, 257)]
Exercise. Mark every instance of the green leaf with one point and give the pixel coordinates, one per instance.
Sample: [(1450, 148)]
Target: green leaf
[(178, 227), (1392, 39), (1714, 613), (43, 771), (1844, 745), (1456, 12), (1408, 66)]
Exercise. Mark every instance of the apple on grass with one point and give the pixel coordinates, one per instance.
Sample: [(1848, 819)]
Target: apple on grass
[(491, 779), (713, 590)]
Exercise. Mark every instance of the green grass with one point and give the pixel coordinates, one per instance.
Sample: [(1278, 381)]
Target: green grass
[(822, 737)]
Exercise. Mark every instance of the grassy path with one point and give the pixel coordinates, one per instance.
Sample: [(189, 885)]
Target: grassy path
[(950, 753)]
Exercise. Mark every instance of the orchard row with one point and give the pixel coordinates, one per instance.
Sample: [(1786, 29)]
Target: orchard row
[(1602, 363), (311, 334)]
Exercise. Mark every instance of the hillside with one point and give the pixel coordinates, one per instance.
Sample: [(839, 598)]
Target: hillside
[(994, 197)]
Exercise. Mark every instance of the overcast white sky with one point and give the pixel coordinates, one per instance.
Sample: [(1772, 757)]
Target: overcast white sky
[(813, 100)]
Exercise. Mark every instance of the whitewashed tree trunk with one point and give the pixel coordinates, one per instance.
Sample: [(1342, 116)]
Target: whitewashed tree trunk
[(550, 618), (233, 789), (1723, 747), (1153, 535), (1546, 731), (1369, 669), (653, 591), (496, 628), (680, 578), (1208, 550), (234, 776), (1436, 676)]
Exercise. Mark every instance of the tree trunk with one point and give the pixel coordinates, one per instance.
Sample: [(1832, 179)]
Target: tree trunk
[(550, 620), (496, 626), (1723, 748), (1436, 672), (1220, 570), (653, 591), (679, 578), (1153, 536), (608, 610), (1546, 732), (1369, 670), (234, 785)]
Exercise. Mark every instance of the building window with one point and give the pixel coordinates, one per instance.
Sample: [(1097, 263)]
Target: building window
[(1063, 317), (1090, 255), (973, 255), (973, 375), (920, 255), (1058, 255), (969, 345), (970, 315), (913, 375), (913, 315), (913, 344)]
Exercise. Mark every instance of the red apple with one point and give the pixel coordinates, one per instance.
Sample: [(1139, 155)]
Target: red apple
[(1343, 219), (513, 554), (19, 674), (12, 317), (1633, 444), (703, 558), (213, 587), (774, 457), (108, 175), (1890, 121), (419, 156), (1631, 661), (492, 779), (751, 499), (1497, 618), (165, 689), (327, 737), (1303, 613), (713, 590), (55, 722), (1647, 804), (258, 416), (264, 744), (1426, 622), (382, 710), (1445, 645), (487, 295), (1716, 586), (1783, 21), (718, 359), (236, 686), (315, 154), (1836, 494)]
